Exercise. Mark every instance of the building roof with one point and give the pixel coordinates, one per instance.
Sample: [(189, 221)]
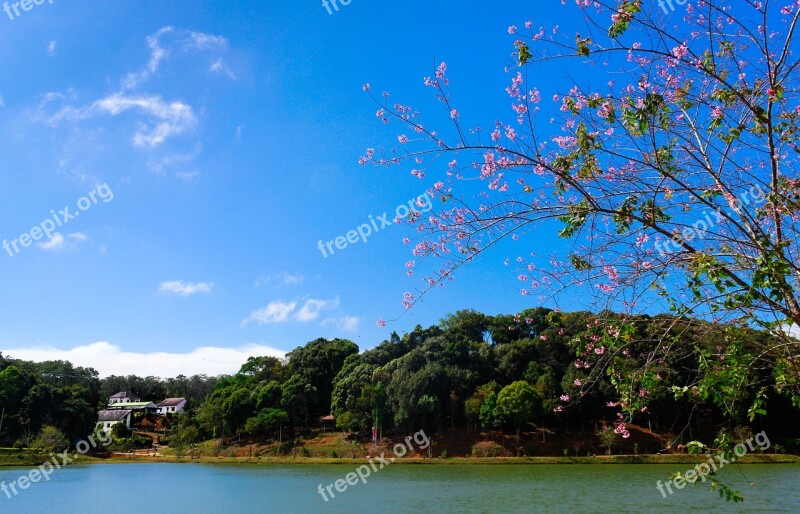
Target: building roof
[(127, 393), (171, 402), (328, 418), (112, 415), (132, 406)]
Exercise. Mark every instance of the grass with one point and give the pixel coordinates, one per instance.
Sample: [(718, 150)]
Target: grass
[(12, 457), (600, 459)]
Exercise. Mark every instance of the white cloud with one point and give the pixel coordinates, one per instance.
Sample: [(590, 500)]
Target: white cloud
[(185, 288), (109, 359), (51, 47), (157, 120), (219, 66), (169, 119), (346, 323), (166, 119), (202, 41), (282, 278), (311, 309), (58, 242), (281, 312), (156, 55), (275, 312), (187, 176)]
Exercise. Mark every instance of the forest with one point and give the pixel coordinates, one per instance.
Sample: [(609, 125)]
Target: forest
[(471, 374)]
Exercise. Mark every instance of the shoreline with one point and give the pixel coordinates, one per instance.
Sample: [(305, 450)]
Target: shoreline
[(454, 461)]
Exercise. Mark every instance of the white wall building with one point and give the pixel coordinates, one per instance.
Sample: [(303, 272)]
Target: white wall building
[(106, 419), (171, 406)]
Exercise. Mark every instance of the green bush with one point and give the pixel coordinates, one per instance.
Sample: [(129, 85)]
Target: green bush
[(50, 440)]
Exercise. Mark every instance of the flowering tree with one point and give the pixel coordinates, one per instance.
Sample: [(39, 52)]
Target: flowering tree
[(674, 181)]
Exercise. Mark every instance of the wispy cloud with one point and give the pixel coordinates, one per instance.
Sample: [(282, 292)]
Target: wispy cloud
[(186, 41), (51, 48), (202, 41), (219, 66), (279, 311), (312, 308), (345, 323), (154, 120), (282, 278), (58, 242), (157, 53), (274, 312), (166, 119), (185, 288), (109, 359)]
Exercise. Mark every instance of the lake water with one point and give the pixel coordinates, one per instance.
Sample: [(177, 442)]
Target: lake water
[(417, 489)]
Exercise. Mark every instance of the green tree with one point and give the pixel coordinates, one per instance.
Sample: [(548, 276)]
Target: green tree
[(317, 364), (473, 406), (609, 438), (50, 440), (487, 412), (519, 403)]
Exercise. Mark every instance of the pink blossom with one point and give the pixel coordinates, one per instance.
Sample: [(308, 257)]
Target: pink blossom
[(680, 51)]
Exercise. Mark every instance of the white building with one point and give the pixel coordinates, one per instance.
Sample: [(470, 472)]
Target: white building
[(106, 419), (171, 406), (123, 397)]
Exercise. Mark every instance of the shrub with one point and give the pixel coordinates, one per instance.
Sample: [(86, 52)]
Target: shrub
[(50, 440)]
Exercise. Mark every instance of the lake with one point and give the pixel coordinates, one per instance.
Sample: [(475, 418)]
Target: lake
[(417, 489)]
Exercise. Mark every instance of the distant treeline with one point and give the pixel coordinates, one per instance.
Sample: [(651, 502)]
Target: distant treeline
[(55, 393), (471, 371)]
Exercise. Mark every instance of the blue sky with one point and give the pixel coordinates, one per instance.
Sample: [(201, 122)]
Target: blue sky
[(229, 135)]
